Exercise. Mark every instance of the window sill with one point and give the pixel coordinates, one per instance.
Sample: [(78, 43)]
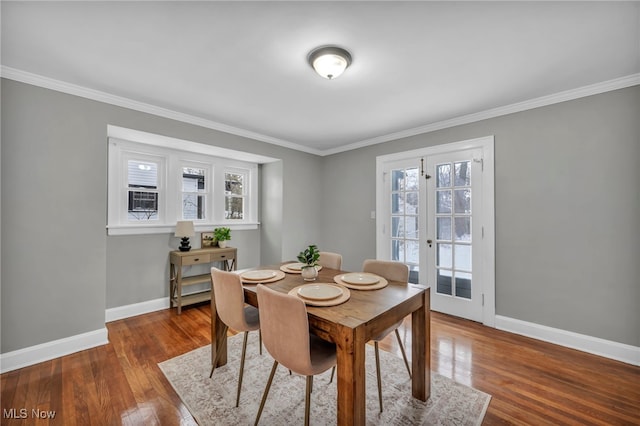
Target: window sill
[(170, 229)]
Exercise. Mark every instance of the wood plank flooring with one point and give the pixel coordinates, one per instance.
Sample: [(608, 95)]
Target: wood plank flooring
[(531, 382)]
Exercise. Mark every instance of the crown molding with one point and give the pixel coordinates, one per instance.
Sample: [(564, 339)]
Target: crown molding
[(567, 95), (96, 95)]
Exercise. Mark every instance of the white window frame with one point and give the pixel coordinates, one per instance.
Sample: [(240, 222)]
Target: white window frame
[(172, 155)]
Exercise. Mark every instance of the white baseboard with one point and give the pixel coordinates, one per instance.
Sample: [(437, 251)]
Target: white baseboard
[(127, 311), (46, 351), (594, 345)]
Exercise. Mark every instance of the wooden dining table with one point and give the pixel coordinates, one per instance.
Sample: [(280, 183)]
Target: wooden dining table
[(350, 326)]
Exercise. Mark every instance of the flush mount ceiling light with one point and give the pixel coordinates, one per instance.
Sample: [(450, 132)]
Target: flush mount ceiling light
[(329, 61)]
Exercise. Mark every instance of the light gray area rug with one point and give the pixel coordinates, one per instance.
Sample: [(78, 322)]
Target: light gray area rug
[(212, 401)]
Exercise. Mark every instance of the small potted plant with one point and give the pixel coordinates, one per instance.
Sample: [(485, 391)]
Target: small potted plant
[(222, 235), (310, 258)]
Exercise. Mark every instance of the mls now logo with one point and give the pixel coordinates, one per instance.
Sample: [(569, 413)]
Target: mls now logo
[(23, 413)]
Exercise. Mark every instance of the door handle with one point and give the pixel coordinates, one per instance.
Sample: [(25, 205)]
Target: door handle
[(429, 242)]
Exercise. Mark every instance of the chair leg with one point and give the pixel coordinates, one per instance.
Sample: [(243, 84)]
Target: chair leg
[(375, 344), (244, 353), (307, 400), (266, 391), (213, 367), (404, 355), (333, 371), (260, 339)]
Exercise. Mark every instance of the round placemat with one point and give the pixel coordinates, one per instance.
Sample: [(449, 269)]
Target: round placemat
[(279, 275), (284, 268), (377, 286), (346, 294)]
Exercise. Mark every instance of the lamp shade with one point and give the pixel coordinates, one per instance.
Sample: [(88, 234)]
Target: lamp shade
[(329, 61), (185, 229)]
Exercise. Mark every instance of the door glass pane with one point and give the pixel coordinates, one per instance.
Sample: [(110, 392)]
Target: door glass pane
[(396, 227), (462, 257), (411, 180), (443, 225), (397, 250), (444, 255), (413, 251), (411, 206), (443, 175), (397, 203), (463, 285), (443, 282), (443, 201), (397, 180), (463, 228), (411, 228), (462, 173), (462, 200)]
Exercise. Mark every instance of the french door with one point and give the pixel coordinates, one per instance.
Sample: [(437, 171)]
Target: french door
[(435, 213)]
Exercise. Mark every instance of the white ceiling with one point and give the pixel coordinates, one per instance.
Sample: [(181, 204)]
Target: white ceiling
[(241, 66)]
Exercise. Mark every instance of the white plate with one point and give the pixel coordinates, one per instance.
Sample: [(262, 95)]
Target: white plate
[(360, 278), (258, 275), (320, 291), (295, 266)]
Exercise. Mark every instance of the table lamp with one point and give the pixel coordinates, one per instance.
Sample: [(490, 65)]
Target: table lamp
[(185, 230)]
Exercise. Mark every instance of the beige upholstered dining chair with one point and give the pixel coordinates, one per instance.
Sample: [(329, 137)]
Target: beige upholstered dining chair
[(392, 271), (330, 260), (229, 299), (285, 332)]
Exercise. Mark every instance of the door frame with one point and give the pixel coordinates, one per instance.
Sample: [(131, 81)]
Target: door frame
[(485, 143)]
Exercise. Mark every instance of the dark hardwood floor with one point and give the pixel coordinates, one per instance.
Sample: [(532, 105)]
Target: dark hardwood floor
[(531, 382)]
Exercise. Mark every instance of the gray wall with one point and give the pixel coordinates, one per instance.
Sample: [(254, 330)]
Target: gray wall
[(567, 210), (567, 188), (60, 270)]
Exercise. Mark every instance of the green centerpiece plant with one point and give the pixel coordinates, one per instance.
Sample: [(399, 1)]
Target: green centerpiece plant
[(310, 258)]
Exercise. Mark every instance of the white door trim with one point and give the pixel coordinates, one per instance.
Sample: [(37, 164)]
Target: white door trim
[(488, 242)]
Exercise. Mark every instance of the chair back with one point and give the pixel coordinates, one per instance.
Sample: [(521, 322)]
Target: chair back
[(330, 260), (285, 329), (388, 269), (229, 298)]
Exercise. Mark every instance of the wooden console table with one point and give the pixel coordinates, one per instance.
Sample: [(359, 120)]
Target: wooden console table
[(178, 259)]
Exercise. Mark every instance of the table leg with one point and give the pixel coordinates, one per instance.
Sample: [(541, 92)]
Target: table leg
[(421, 350), (218, 336), (351, 377)]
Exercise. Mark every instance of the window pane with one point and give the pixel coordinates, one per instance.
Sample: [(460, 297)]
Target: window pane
[(463, 228), (234, 208), (142, 205), (443, 202), (444, 255), (192, 179), (234, 184), (443, 175), (142, 174), (462, 200), (193, 206), (463, 256), (444, 228), (462, 173)]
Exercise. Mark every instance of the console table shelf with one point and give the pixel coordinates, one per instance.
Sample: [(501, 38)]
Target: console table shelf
[(227, 257)]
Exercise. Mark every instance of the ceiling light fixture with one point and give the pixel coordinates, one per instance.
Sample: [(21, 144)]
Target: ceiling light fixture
[(329, 61)]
